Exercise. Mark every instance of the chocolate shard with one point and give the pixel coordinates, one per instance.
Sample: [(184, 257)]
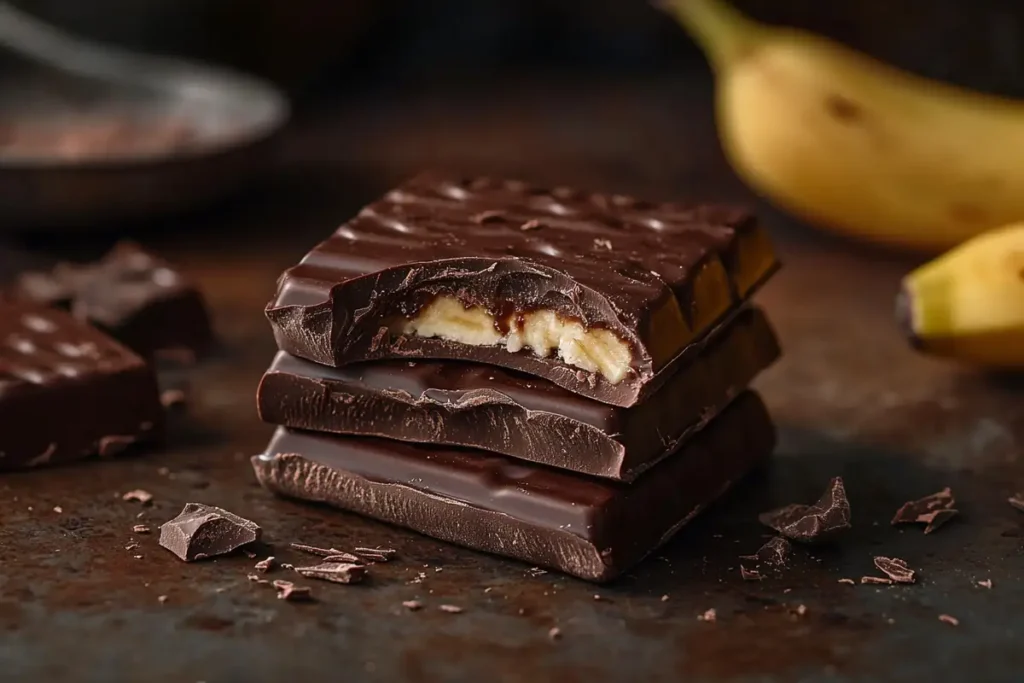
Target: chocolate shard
[(591, 528), (286, 590), (750, 574), (937, 519), (335, 572), (447, 402), (134, 296), (203, 531), (877, 580), (822, 521), (896, 569), (67, 391), (419, 274), (934, 510), (376, 554)]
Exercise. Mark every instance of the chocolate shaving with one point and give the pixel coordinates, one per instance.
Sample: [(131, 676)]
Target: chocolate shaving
[(849, 582), (266, 565), (203, 531), (933, 511), (335, 572), (138, 496), (813, 523), (1017, 501), (896, 569), (877, 580), (947, 619), (286, 590)]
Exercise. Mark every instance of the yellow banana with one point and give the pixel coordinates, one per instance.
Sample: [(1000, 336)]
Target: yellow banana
[(969, 302), (854, 145)]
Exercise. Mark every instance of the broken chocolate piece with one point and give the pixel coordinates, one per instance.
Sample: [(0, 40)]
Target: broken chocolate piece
[(750, 574), (849, 582), (936, 519), (414, 276), (451, 609), (947, 619), (708, 615), (266, 565), (412, 605), (813, 523), (934, 511), (141, 529), (336, 572), (203, 531), (896, 569), (878, 580), (172, 399), (775, 553), (67, 391), (375, 554), (286, 590), (138, 496)]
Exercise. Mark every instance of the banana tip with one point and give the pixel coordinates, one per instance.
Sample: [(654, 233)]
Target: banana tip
[(905, 317)]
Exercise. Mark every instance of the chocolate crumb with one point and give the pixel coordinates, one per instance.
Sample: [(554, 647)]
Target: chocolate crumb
[(171, 399), (488, 217), (140, 529), (313, 550), (603, 244), (109, 446), (412, 605), (933, 511), (800, 610), (58, 509), (250, 554), (139, 496), (286, 590), (531, 225), (202, 531), (451, 609), (161, 599), (335, 572), (265, 565), (952, 621), (896, 569), (709, 615), (1017, 501), (876, 580), (664, 598), (255, 578), (554, 633), (750, 574), (937, 519), (849, 582), (131, 546), (987, 583), (813, 523)]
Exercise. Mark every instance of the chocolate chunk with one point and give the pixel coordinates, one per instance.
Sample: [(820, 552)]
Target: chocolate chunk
[(67, 391), (266, 565), (457, 403), (896, 569), (813, 523), (414, 276), (134, 296), (774, 553), (286, 590), (878, 580), (590, 528), (1017, 501), (203, 531), (934, 511), (336, 572)]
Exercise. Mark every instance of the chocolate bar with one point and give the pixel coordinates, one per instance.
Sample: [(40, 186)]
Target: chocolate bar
[(132, 295), (486, 407), (590, 528), (600, 294), (68, 391)]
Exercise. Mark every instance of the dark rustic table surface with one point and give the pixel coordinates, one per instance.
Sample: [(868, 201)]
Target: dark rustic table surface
[(849, 397)]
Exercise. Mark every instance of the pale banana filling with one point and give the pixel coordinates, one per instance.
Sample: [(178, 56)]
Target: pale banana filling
[(543, 332)]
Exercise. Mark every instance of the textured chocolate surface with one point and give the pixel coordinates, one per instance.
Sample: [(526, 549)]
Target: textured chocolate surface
[(590, 528), (485, 407), (657, 276), (131, 294), (68, 391)]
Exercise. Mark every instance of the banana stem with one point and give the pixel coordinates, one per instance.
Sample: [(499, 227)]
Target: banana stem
[(723, 32)]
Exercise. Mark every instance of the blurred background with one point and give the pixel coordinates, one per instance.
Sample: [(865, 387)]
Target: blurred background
[(609, 94)]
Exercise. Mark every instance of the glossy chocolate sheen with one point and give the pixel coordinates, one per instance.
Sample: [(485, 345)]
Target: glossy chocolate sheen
[(131, 294), (485, 407), (658, 276), (591, 528), (68, 391)]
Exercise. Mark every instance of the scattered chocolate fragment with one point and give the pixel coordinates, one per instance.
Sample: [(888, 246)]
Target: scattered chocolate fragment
[(849, 582), (412, 605), (313, 550), (813, 523), (335, 572), (896, 569), (266, 565), (708, 615), (800, 610), (345, 557), (285, 565), (952, 621), (172, 398), (140, 529), (203, 531), (161, 599), (933, 511), (255, 578), (375, 554), (58, 509), (131, 546), (987, 583), (451, 609), (750, 574), (775, 554), (286, 590), (1017, 501), (876, 580), (554, 633), (664, 598), (138, 496)]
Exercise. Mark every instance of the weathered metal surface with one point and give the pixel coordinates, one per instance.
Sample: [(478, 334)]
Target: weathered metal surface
[(851, 400)]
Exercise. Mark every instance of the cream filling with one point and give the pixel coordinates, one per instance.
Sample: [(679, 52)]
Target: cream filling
[(543, 332)]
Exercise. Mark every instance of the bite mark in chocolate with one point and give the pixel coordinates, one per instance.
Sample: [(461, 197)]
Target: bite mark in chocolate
[(203, 531), (896, 569), (335, 572), (822, 521)]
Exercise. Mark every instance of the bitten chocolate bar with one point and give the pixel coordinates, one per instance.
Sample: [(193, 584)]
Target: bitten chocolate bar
[(591, 528), (489, 408), (599, 294), (68, 391)]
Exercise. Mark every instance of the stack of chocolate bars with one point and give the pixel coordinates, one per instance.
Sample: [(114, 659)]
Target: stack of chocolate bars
[(550, 375)]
